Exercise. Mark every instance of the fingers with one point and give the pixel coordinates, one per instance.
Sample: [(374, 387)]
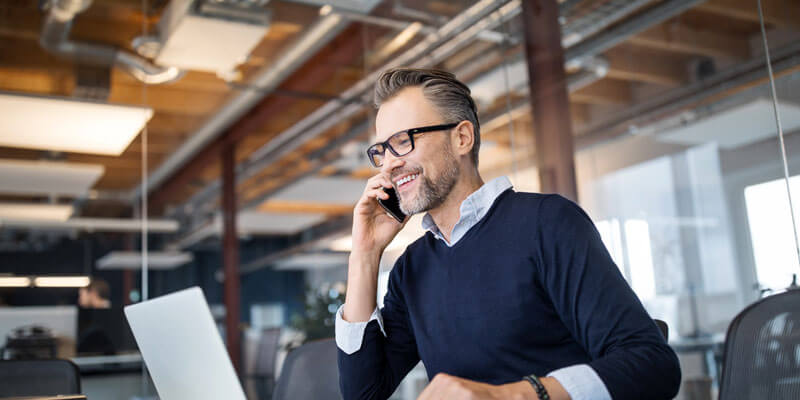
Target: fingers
[(375, 186), (379, 181), (376, 193)]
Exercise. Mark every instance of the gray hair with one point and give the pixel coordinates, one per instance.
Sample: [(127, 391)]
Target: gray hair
[(450, 97)]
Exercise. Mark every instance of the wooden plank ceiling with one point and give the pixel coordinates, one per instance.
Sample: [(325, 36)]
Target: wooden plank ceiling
[(652, 62)]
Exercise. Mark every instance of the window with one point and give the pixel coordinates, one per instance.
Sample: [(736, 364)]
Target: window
[(771, 231)]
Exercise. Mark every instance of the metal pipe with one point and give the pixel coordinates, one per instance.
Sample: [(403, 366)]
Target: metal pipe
[(627, 123), (334, 111), (316, 123), (574, 33), (619, 33), (55, 39), (296, 54)]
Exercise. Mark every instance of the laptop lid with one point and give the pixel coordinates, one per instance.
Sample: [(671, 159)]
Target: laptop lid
[(182, 348)]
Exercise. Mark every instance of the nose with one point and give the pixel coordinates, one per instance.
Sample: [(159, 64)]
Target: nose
[(390, 162)]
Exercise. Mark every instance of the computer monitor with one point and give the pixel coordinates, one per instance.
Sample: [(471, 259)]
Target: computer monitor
[(103, 331)]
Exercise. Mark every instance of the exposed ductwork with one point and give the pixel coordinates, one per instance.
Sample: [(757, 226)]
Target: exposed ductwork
[(427, 53), (55, 39)]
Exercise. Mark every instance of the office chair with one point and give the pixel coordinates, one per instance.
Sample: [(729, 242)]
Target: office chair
[(39, 378), (264, 370), (310, 372), (762, 350)]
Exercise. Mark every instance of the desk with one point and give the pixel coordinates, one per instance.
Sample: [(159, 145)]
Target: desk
[(108, 364), (115, 377)]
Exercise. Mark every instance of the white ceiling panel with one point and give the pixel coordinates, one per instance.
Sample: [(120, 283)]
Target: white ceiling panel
[(312, 261), (63, 124), (47, 177), (161, 260), (342, 191), (266, 223)]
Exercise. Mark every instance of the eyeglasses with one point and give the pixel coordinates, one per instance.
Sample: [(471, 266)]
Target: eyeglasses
[(401, 143)]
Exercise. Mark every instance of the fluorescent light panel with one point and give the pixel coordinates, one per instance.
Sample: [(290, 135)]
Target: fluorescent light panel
[(15, 281), (60, 124), (47, 177), (35, 212), (161, 260), (61, 281)]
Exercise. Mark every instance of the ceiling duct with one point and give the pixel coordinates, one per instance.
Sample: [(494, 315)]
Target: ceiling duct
[(357, 6), (210, 36), (55, 39)]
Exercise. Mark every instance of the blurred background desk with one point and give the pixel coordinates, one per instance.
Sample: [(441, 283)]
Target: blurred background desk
[(113, 377)]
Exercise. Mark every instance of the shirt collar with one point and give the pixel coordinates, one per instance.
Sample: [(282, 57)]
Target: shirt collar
[(472, 210)]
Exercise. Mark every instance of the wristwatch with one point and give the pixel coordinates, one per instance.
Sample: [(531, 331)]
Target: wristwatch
[(538, 387)]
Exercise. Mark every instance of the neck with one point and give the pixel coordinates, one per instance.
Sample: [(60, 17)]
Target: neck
[(446, 215)]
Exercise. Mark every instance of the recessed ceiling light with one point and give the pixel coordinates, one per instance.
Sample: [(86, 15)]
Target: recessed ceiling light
[(61, 281), (62, 124), (15, 281)]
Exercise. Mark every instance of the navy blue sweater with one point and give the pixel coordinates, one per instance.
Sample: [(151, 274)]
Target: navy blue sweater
[(528, 290)]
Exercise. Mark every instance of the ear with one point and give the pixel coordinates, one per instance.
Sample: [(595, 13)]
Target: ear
[(463, 138)]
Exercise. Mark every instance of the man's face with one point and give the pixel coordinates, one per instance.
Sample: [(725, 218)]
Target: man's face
[(423, 178), (84, 298)]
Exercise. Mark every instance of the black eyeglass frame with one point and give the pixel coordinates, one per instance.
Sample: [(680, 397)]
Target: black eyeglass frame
[(410, 132)]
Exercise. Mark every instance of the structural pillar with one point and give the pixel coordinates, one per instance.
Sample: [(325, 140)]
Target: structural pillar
[(555, 151), (230, 254)]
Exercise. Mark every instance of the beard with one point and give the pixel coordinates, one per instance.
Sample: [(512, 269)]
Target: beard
[(432, 194)]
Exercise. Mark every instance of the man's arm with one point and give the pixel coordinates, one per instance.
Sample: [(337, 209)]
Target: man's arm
[(381, 362), (599, 308), (372, 366)]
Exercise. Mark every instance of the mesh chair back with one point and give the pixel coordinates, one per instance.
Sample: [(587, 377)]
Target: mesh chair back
[(267, 351), (762, 351), (38, 378), (264, 369), (310, 372)]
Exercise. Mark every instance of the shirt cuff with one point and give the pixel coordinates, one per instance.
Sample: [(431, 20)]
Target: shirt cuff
[(581, 382), (350, 335)]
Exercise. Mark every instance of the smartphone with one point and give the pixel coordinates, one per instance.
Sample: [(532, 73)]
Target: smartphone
[(392, 205)]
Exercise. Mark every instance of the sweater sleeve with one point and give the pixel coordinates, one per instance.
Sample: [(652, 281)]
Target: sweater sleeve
[(376, 369), (598, 307)]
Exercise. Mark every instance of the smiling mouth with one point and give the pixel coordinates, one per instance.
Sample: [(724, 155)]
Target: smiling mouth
[(400, 183)]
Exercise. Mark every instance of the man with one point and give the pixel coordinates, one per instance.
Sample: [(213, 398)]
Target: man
[(95, 295), (507, 296), (96, 319)]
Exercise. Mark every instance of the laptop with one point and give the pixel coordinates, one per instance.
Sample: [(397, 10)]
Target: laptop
[(182, 348)]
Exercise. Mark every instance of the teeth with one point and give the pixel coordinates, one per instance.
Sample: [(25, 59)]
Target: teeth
[(407, 179)]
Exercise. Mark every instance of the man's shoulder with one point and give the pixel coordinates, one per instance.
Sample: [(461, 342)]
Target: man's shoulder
[(532, 203)]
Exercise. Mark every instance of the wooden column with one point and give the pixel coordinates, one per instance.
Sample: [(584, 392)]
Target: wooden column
[(230, 254), (553, 139)]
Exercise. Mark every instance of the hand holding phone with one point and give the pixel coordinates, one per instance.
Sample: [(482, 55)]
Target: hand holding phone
[(392, 205)]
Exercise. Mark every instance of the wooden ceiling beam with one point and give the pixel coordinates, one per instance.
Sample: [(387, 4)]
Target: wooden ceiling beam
[(604, 91), (679, 38), (629, 64), (291, 207), (780, 13)]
